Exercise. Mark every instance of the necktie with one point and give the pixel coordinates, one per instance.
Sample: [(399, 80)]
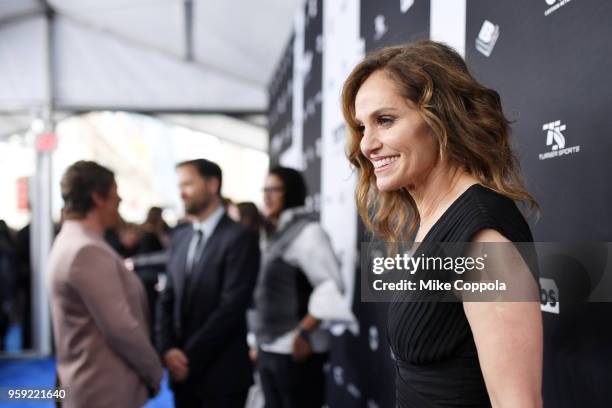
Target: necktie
[(195, 247)]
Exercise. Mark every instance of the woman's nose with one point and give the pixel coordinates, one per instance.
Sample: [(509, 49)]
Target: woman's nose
[(369, 143)]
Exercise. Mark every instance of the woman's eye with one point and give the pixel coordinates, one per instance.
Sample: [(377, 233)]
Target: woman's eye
[(385, 120), (361, 129)]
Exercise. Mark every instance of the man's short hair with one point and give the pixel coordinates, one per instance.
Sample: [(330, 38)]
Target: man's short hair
[(206, 169), (79, 182)]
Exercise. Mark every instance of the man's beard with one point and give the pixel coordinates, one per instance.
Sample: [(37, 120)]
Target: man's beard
[(196, 207)]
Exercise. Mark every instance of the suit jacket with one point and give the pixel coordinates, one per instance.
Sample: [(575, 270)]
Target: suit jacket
[(204, 314), (99, 311)]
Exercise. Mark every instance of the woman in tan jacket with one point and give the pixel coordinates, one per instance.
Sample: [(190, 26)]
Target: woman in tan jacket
[(99, 309)]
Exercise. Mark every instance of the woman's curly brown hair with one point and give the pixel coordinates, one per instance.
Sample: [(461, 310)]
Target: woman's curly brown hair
[(466, 118)]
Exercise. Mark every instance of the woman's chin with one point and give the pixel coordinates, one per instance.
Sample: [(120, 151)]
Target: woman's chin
[(385, 185)]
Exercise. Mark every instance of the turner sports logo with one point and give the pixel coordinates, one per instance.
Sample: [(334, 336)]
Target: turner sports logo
[(554, 5), (556, 140)]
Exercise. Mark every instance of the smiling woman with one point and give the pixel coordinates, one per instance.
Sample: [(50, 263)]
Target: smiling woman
[(421, 98), (432, 152), (394, 136)]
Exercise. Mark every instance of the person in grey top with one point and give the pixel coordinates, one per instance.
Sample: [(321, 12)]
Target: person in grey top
[(299, 291)]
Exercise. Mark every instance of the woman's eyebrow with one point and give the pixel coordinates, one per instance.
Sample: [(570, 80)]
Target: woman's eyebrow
[(386, 109), (383, 110)]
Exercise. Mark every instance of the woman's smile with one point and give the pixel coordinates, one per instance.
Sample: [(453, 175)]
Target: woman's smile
[(384, 163)]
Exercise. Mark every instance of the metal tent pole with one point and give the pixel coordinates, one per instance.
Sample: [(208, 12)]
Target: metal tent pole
[(42, 224)]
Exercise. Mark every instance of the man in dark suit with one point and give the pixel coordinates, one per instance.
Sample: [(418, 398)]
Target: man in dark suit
[(212, 269)]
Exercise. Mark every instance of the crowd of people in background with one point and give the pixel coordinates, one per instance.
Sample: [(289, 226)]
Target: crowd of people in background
[(229, 296), (15, 284), (146, 243)]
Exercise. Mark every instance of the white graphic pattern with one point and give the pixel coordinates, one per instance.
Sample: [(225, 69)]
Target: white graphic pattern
[(487, 37), (554, 134)]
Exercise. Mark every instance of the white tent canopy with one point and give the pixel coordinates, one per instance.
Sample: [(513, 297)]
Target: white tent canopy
[(143, 55)]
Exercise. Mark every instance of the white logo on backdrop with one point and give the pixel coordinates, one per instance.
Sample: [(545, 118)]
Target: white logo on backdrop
[(554, 136), (405, 5), (307, 62), (353, 391), (319, 43), (312, 8), (487, 37), (554, 5), (342, 49), (549, 296), (380, 27), (338, 375), (556, 140), (373, 338)]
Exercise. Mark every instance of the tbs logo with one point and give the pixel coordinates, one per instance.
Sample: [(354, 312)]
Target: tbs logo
[(549, 296)]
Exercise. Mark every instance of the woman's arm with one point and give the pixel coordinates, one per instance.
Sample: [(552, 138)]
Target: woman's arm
[(508, 337)]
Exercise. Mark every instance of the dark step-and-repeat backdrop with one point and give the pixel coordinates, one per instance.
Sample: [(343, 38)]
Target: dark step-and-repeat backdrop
[(551, 62)]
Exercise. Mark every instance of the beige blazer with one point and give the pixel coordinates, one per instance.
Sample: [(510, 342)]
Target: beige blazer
[(100, 323)]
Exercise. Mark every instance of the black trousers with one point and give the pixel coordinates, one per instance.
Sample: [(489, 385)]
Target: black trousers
[(292, 384), (187, 397)]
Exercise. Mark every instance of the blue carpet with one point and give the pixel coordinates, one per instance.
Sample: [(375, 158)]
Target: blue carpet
[(41, 373)]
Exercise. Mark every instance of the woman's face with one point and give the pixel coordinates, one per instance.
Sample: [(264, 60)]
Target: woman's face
[(395, 139), (274, 196)]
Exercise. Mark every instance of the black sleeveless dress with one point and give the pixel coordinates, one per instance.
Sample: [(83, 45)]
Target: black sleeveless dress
[(436, 359)]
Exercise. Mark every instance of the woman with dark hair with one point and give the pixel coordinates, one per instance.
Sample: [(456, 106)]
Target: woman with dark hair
[(154, 232), (432, 152), (298, 289), (152, 239), (250, 216)]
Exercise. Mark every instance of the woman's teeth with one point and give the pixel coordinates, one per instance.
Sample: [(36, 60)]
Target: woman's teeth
[(383, 162)]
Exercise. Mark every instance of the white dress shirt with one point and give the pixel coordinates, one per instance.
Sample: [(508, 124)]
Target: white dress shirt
[(207, 227), (312, 252)]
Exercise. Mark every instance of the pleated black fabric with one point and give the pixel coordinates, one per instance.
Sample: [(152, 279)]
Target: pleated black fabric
[(437, 363)]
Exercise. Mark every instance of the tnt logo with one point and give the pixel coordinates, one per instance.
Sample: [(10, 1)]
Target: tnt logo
[(554, 136)]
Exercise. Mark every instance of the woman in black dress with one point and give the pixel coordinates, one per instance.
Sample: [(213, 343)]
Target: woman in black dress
[(432, 152)]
